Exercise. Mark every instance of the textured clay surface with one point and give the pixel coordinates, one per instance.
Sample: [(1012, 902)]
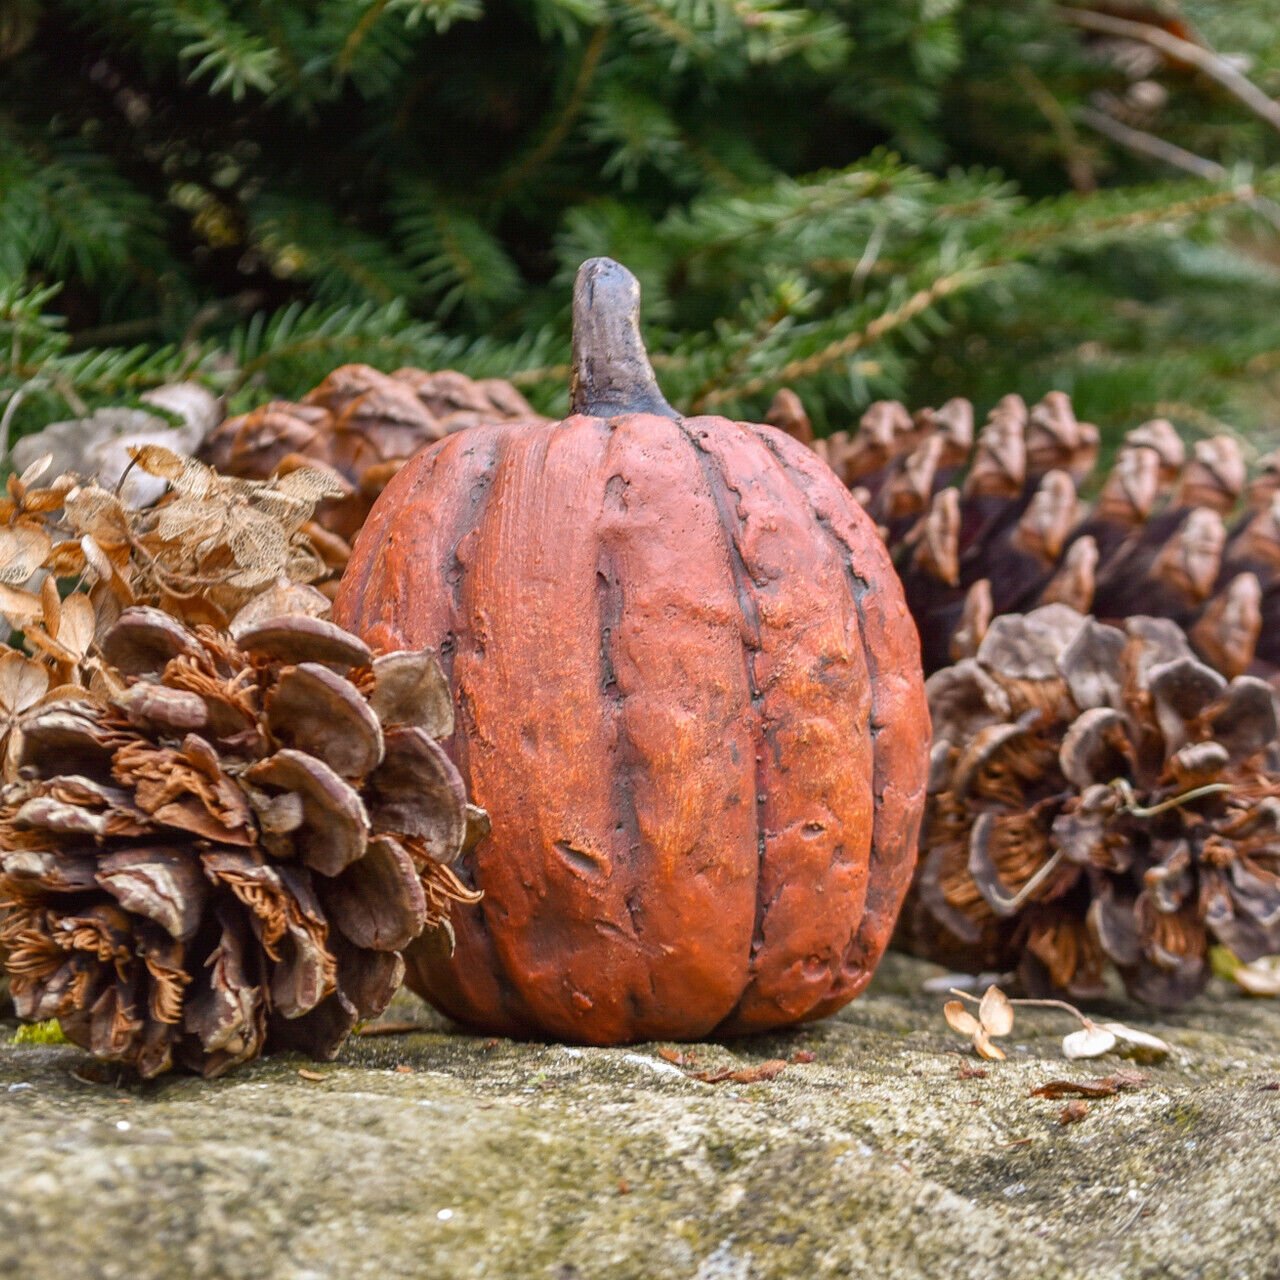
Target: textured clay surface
[(688, 695)]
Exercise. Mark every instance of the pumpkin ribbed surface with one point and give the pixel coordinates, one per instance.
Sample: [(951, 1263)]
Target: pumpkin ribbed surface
[(689, 698)]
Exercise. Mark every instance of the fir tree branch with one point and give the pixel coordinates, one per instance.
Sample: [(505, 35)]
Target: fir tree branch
[(918, 303), (1133, 220), (351, 46), (705, 395)]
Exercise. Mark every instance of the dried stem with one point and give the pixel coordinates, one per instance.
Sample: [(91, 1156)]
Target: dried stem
[(1013, 904), (1148, 144), (1027, 1002), (1150, 811)]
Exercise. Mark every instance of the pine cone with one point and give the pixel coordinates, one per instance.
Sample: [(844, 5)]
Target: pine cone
[(1011, 532), (363, 425), (1097, 795), (222, 849)]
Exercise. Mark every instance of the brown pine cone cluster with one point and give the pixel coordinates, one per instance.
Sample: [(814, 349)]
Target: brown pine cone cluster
[(222, 845), (363, 426), (1098, 795), (993, 525)]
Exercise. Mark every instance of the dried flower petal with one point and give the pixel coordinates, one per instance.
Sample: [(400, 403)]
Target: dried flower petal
[(960, 1019), (1260, 978), (995, 1012), (1088, 1042), (1142, 1039)]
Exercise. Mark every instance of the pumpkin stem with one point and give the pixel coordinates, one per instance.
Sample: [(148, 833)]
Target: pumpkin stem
[(611, 369)]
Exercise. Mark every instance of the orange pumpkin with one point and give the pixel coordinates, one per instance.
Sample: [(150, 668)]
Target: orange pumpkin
[(688, 694)]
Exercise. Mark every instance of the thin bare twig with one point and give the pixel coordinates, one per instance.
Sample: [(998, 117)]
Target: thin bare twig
[(1148, 144), (1204, 59), (1027, 1001), (1129, 805), (6, 419)]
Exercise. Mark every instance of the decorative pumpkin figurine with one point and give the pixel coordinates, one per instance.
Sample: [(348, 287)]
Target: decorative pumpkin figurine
[(688, 694)]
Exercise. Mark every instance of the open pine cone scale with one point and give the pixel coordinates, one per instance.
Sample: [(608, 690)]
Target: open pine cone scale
[(993, 524), (1098, 795), (361, 426), (217, 852)]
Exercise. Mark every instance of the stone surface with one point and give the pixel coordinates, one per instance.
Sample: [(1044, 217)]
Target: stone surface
[(441, 1155)]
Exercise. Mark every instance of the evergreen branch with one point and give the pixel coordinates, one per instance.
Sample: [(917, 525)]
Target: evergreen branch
[(557, 373), (233, 57), (705, 395), (356, 38), (1211, 63), (456, 259), (835, 352)]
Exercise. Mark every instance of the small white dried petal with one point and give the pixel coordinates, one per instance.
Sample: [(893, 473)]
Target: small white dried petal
[(34, 470), (1088, 1042), (1261, 978), (1143, 1039)]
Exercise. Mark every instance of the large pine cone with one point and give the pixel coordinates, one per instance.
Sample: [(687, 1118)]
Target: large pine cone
[(1097, 794), (225, 847), (363, 425), (997, 526)]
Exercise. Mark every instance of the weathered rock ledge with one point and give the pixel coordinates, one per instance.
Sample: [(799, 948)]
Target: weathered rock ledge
[(442, 1155)]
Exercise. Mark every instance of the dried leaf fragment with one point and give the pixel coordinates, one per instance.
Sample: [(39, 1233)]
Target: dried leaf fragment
[(1101, 1087), (1073, 1112), (769, 1070)]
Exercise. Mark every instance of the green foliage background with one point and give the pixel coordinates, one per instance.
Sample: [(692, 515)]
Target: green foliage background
[(854, 198)]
